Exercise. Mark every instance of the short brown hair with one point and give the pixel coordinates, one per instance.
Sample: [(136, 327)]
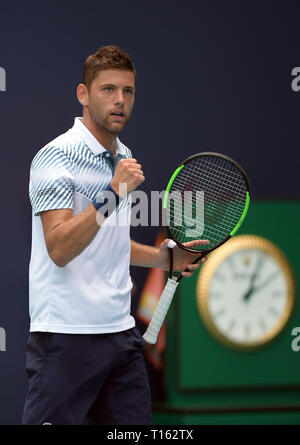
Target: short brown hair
[(105, 58)]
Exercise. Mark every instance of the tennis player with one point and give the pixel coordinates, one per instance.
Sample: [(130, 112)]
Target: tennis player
[(84, 357)]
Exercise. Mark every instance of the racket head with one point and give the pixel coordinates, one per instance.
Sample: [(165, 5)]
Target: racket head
[(211, 192)]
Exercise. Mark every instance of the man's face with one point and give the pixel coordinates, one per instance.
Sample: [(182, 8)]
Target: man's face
[(111, 99)]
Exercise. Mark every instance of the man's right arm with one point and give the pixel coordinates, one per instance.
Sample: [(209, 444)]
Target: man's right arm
[(66, 236)]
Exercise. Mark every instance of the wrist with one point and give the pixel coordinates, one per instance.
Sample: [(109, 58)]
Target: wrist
[(106, 201), (121, 188), (161, 262), (111, 189), (114, 187)]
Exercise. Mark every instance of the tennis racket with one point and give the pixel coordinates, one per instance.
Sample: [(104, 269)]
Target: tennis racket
[(206, 198)]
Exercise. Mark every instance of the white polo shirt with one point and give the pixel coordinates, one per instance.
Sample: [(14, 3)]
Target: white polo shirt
[(92, 293)]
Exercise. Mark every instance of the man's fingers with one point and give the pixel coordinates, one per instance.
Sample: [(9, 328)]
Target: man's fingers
[(195, 243), (128, 172), (131, 160), (193, 266), (201, 259), (187, 274), (134, 166), (190, 269), (136, 172)]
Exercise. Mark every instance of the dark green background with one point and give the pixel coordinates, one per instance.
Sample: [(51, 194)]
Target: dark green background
[(208, 382)]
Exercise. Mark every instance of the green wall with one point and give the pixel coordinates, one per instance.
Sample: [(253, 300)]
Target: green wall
[(209, 383)]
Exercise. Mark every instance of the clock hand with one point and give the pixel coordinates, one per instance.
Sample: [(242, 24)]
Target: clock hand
[(264, 283), (247, 295)]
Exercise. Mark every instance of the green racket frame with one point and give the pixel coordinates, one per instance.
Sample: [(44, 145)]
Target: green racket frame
[(247, 200)]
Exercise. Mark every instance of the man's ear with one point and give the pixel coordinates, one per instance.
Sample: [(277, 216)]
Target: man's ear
[(82, 94)]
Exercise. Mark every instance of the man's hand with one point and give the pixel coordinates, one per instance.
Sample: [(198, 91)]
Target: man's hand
[(182, 260), (128, 172)]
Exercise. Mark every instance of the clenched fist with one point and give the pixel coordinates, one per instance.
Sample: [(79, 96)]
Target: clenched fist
[(128, 176)]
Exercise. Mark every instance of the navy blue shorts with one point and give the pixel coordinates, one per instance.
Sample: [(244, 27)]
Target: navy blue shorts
[(77, 379)]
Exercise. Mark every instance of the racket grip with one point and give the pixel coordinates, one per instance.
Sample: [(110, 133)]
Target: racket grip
[(160, 312)]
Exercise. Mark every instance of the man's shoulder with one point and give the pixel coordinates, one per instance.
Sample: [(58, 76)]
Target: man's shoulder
[(64, 146)]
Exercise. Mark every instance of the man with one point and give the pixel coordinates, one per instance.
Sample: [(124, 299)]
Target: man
[(84, 353)]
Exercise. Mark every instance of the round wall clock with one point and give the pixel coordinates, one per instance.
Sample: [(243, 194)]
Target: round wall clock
[(246, 292)]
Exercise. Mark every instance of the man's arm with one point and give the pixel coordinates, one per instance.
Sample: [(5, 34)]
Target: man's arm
[(148, 256), (144, 256), (67, 236)]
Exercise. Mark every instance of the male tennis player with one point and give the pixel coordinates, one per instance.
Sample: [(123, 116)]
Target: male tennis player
[(84, 354)]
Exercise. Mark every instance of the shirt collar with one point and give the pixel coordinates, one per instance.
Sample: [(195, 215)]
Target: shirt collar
[(93, 144)]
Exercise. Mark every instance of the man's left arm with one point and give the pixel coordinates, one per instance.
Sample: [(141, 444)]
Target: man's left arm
[(144, 256), (158, 257)]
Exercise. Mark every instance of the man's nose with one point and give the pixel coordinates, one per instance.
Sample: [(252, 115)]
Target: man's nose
[(119, 99)]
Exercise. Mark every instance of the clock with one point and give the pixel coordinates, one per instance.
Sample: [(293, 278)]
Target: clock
[(246, 292)]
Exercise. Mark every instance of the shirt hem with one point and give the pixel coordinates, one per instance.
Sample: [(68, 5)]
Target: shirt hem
[(73, 329)]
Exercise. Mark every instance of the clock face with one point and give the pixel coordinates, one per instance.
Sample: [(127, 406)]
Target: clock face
[(245, 292)]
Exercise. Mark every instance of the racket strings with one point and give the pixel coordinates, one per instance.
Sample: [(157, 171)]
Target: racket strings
[(189, 221), (215, 210), (190, 200), (214, 177)]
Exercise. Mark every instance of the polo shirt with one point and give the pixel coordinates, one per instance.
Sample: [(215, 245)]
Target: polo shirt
[(92, 293)]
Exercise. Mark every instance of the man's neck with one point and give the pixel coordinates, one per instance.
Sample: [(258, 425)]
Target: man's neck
[(107, 140)]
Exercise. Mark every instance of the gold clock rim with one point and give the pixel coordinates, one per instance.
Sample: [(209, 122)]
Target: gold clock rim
[(206, 273)]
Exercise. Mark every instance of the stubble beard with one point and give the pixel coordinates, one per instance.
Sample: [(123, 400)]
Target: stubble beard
[(101, 121)]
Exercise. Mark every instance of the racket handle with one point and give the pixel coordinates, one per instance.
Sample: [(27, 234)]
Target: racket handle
[(160, 312)]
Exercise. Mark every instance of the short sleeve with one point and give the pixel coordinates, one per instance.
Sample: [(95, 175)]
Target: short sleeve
[(52, 181)]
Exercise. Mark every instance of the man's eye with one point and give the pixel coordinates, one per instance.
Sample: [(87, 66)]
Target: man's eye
[(107, 89), (128, 91)]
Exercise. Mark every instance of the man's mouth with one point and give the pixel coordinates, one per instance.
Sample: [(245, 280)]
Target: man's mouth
[(118, 115)]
